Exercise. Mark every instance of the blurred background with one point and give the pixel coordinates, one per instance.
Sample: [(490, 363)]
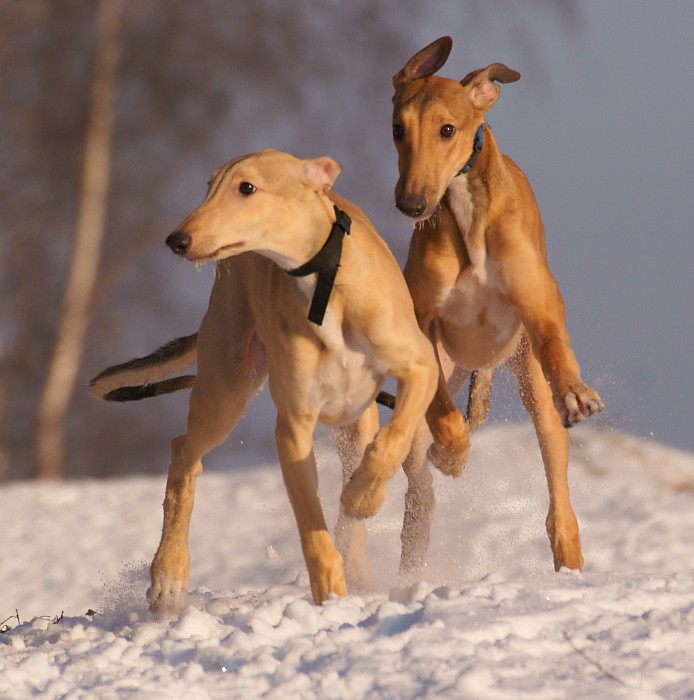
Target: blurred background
[(113, 113)]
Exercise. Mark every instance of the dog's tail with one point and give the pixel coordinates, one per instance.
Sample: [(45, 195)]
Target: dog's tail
[(477, 400), (148, 376)]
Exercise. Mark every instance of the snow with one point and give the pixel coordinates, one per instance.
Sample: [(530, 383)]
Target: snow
[(489, 618)]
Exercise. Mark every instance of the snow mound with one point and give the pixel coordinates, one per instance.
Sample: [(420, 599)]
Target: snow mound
[(490, 619)]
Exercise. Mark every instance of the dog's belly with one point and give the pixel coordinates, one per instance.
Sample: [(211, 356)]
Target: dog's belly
[(476, 324)]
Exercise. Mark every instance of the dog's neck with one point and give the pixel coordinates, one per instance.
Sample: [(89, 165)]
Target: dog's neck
[(467, 197), (304, 235), (477, 145), (325, 264), (462, 206)]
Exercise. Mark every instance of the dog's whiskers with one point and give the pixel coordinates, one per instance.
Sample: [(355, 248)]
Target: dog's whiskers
[(433, 219)]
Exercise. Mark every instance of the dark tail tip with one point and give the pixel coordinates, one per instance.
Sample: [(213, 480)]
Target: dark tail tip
[(146, 391)]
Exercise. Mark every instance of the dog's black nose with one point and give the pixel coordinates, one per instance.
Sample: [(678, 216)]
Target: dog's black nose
[(179, 242), (411, 206)]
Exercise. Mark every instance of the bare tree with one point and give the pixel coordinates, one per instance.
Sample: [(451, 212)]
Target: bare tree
[(69, 346)]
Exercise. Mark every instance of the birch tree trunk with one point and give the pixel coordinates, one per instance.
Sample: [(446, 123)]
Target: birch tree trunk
[(69, 346)]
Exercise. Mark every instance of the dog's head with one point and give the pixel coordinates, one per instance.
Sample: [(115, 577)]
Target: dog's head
[(434, 124), (268, 202)]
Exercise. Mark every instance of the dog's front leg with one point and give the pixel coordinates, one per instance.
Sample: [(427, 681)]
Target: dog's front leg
[(535, 295), (364, 494), (171, 565), (573, 399), (294, 440), (451, 438)]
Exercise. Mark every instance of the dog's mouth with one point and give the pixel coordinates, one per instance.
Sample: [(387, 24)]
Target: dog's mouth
[(416, 214), (225, 251), (419, 218), (423, 218)]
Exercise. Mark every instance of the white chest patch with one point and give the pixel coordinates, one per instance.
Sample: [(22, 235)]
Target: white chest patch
[(475, 310), (348, 376), (460, 202)]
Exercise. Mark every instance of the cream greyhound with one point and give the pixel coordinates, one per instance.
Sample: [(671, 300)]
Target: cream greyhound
[(264, 216), (478, 274)]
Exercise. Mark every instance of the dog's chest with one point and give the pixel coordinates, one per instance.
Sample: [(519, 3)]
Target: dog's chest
[(476, 323), (471, 301), (348, 374), (460, 203), (462, 207), (476, 303)]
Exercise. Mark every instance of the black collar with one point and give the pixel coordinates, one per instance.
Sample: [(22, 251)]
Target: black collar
[(325, 263), (476, 148)]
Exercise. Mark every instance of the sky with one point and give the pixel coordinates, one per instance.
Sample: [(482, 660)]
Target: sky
[(600, 122)]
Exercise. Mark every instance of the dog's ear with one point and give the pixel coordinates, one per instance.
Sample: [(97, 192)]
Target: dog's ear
[(482, 84), (425, 62), (320, 173)]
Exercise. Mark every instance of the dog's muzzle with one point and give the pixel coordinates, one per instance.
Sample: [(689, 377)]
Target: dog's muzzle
[(179, 242), (411, 205)]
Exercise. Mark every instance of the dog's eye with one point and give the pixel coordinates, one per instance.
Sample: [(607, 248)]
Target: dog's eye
[(247, 188), (447, 130), (398, 131)]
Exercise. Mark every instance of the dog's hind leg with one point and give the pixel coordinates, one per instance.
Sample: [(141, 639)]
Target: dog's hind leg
[(535, 392), (419, 498), (294, 440), (478, 397), (419, 505), (231, 368), (350, 533)]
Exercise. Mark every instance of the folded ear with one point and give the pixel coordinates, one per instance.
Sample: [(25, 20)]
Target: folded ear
[(483, 90), (425, 62), (320, 173)]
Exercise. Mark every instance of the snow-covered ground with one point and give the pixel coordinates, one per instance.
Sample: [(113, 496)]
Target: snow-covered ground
[(490, 619)]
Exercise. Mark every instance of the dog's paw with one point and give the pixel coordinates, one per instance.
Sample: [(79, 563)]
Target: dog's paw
[(449, 451), (169, 580), (578, 403), (363, 494), (166, 598), (449, 459), (565, 540), (328, 581)]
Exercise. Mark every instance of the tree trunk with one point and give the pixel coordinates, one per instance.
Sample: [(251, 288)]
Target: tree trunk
[(69, 347)]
